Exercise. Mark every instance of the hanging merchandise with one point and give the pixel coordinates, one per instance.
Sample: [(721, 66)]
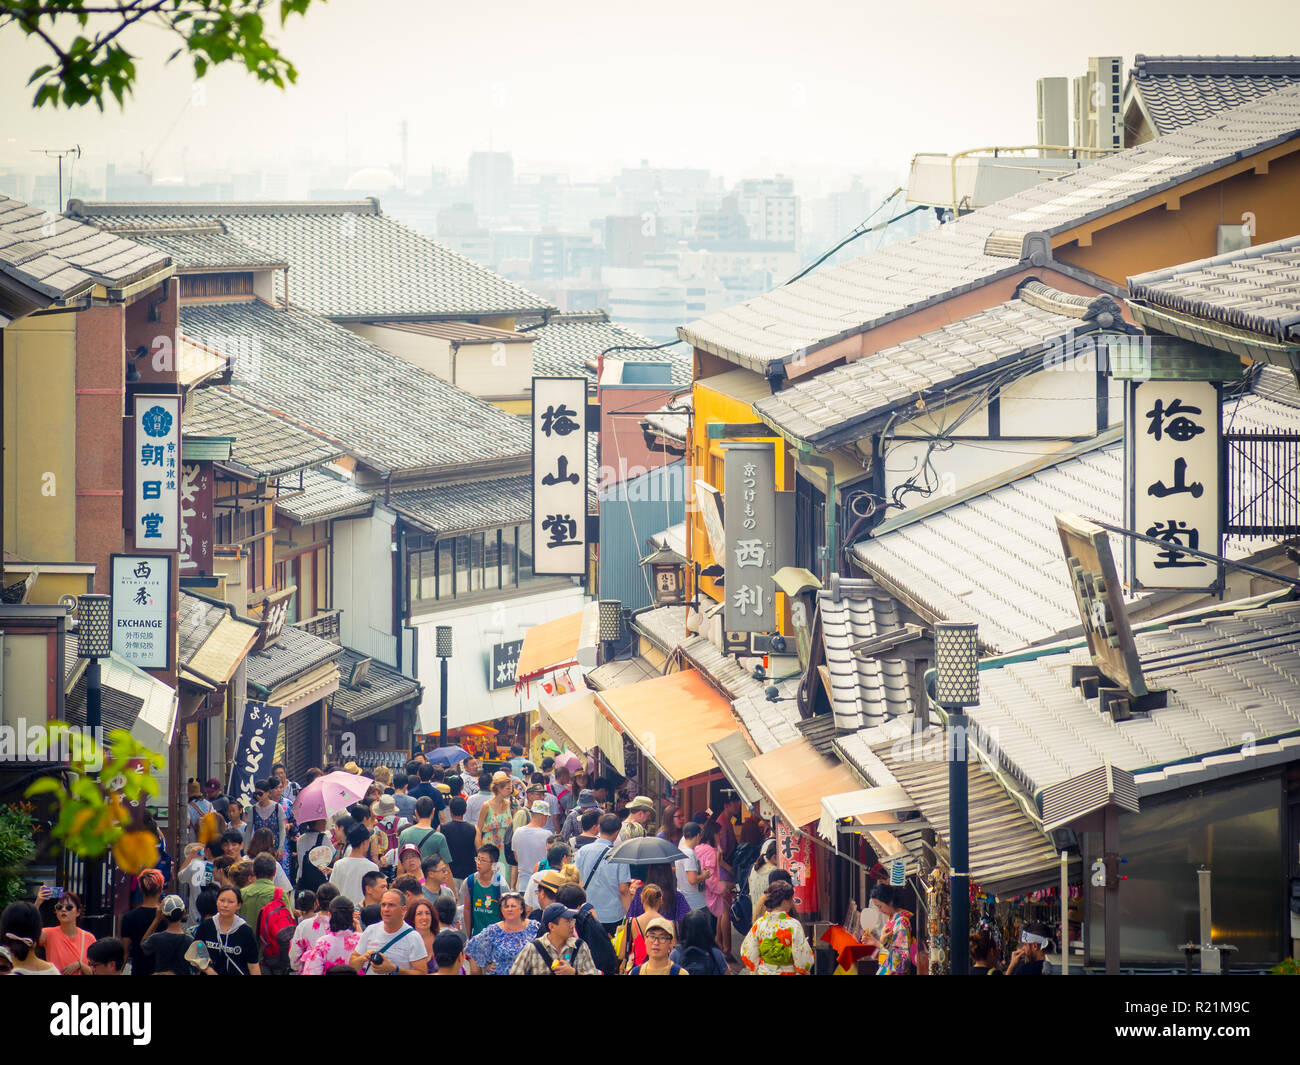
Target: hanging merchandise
[(938, 896)]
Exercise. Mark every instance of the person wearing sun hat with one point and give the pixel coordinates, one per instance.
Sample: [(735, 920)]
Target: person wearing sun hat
[(639, 812), (659, 940)]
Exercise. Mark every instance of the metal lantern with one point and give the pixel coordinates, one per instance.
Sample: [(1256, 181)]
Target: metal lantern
[(611, 620), (668, 576), (956, 661), (442, 641), (95, 626)]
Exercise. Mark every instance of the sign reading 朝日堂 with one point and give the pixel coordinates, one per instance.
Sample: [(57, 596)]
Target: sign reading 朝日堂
[(141, 589), (559, 476), (750, 555), (157, 461)]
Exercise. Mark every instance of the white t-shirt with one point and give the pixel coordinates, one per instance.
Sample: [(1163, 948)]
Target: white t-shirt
[(693, 895), (474, 804), (406, 950), (347, 876), (530, 848)]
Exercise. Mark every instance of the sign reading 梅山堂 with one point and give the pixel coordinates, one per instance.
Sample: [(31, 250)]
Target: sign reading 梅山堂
[(503, 664), (750, 516), (255, 750), (559, 476), (141, 592), (1173, 440), (157, 462)]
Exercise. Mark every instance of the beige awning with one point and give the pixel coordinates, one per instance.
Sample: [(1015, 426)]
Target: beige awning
[(222, 651), (570, 717)]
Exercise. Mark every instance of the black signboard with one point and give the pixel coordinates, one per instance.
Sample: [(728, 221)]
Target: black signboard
[(503, 664)]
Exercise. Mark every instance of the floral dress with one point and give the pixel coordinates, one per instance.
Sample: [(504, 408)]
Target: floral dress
[(495, 949), (776, 946), (333, 948), (895, 946), (495, 827)]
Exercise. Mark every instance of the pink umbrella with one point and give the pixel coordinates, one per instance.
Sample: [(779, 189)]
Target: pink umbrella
[(325, 796), (568, 760)]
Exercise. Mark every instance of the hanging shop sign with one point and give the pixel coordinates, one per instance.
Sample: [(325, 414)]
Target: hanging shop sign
[(560, 476), (503, 662), (255, 751), (157, 472), (142, 609), (794, 851), (750, 554), (196, 519)]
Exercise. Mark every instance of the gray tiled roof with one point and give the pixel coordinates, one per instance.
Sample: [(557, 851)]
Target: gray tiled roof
[(452, 508), (1009, 852), (386, 412), (347, 260), (324, 496), (1230, 679), (383, 688), (844, 300), (1255, 288), (195, 620), (296, 653), (567, 342), (831, 407), (61, 258), (265, 445), (619, 672), (996, 558), (863, 692), (1177, 90), (203, 245)]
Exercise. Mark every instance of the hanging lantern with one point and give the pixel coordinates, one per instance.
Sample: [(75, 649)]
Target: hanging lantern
[(667, 576)]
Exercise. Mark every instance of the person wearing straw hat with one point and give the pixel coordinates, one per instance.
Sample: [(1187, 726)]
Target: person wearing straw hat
[(639, 812)]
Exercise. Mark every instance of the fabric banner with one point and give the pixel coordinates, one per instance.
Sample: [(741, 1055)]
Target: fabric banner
[(795, 853), (254, 753)]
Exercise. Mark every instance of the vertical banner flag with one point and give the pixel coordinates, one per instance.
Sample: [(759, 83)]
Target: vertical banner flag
[(254, 753), (140, 586), (157, 461), (560, 476), (794, 852), (1174, 445), (196, 518), (749, 513)]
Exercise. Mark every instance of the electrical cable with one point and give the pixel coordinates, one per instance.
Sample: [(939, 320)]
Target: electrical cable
[(859, 231)]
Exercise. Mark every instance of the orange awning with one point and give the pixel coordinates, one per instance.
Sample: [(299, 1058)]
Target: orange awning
[(795, 777), (550, 645), (673, 719)]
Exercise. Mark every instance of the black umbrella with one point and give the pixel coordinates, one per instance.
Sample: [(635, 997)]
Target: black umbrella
[(645, 850)]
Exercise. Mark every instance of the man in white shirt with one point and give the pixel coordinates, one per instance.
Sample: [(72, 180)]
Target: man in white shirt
[(474, 803), (400, 945), (349, 871), (529, 842), (690, 878)]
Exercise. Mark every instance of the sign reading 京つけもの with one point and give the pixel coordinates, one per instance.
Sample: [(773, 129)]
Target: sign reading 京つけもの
[(1173, 443), (141, 591), (503, 663), (559, 475), (255, 750), (749, 487), (157, 461)]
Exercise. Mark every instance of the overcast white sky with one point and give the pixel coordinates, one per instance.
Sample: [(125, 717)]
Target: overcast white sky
[(737, 87)]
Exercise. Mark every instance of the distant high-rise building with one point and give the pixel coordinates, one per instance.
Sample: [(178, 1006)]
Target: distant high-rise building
[(770, 209), (491, 180)]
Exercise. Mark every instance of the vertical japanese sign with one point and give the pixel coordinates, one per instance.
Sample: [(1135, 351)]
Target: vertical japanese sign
[(749, 483), (795, 854), (196, 518), (559, 476), (1173, 444), (255, 751), (503, 662), (157, 463), (141, 591)]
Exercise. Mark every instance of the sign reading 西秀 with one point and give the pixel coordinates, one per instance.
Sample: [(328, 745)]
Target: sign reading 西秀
[(749, 516), (559, 417), (140, 586)]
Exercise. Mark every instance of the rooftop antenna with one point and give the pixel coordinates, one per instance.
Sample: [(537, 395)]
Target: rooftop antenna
[(61, 153)]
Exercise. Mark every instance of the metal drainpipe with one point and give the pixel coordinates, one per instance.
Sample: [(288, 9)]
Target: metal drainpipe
[(831, 558)]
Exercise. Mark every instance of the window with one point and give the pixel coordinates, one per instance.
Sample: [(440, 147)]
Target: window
[(491, 561)]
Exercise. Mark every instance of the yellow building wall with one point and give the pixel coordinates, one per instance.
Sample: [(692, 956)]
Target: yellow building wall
[(707, 462), (40, 457)]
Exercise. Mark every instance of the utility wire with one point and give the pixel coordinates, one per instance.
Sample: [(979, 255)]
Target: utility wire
[(859, 232)]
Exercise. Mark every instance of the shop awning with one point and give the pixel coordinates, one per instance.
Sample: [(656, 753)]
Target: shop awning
[(731, 753), (130, 699), (550, 645), (795, 777), (1009, 853), (619, 672), (570, 717), (867, 808), (673, 719)]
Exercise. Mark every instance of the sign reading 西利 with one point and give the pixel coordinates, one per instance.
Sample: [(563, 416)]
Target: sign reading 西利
[(157, 461), (254, 753), (141, 590), (503, 664), (750, 554), (559, 476), (1173, 445)]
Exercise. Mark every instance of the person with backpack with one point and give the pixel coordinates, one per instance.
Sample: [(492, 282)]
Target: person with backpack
[(390, 823), (275, 931), (608, 886), (392, 946), (260, 891), (588, 928), (424, 834), (659, 939), (695, 951), (481, 893), (557, 951)]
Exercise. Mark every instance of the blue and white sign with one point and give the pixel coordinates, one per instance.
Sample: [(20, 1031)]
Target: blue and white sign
[(141, 589), (157, 462), (255, 751)]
